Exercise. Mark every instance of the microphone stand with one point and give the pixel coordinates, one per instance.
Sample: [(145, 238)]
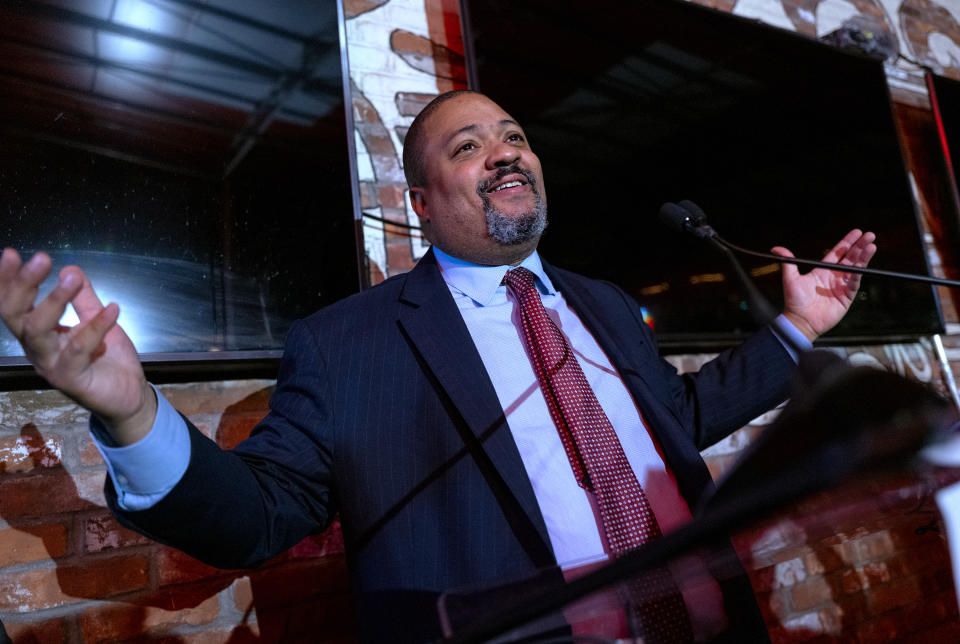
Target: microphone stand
[(688, 217), (763, 312), (718, 241)]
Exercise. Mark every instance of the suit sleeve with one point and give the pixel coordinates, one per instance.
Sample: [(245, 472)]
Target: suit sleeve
[(729, 391), (236, 509)]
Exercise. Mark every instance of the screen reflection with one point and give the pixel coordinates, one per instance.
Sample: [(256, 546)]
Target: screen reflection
[(191, 157)]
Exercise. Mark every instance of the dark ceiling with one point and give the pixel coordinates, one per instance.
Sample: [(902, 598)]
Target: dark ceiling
[(194, 86)]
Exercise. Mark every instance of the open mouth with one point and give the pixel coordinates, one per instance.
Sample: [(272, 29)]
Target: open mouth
[(513, 183), (505, 179)]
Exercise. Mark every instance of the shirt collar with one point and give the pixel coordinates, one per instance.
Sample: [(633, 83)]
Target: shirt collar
[(480, 282)]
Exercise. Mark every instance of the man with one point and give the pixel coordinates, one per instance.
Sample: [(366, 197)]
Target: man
[(413, 409)]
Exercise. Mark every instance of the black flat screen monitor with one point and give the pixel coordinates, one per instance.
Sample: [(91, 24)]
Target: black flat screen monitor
[(780, 139), (191, 157)]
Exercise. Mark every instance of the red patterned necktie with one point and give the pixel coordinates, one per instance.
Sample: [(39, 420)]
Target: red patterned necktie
[(597, 458)]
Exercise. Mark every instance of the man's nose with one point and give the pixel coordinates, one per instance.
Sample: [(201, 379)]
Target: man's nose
[(502, 155)]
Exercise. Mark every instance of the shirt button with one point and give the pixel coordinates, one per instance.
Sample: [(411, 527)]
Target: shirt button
[(122, 480)]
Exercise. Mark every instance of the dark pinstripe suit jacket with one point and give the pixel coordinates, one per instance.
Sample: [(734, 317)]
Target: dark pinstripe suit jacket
[(383, 412)]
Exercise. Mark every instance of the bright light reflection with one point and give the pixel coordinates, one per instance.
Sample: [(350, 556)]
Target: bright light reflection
[(127, 318), (141, 15)]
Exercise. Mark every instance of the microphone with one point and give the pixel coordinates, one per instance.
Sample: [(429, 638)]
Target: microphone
[(687, 217)]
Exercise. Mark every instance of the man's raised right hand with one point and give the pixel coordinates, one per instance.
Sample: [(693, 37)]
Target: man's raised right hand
[(94, 362)]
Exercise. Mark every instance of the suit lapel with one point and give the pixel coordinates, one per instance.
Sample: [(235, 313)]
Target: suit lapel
[(430, 319), (627, 357)]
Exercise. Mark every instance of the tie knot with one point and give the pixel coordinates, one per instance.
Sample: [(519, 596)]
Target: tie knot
[(519, 279)]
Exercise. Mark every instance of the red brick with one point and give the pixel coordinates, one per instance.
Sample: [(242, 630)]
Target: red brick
[(89, 454), (934, 609), (884, 629), (235, 427), (102, 532), (29, 591), (242, 594), (32, 631), (399, 257), (822, 560), (51, 492), (866, 549), (328, 542), (391, 196), (257, 401), (89, 486), (30, 451), (247, 633), (175, 567), (901, 592), (215, 397), (933, 555), (719, 465), (189, 595), (774, 606), (127, 621), (851, 581), (363, 110), (764, 579), (876, 573), (101, 578), (831, 617), (38, 589), (46, 407), (410, 103), (368, 194), (32, 543), (772, 543), (811, 592), (382, 152)]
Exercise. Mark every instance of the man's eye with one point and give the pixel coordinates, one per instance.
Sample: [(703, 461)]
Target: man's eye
[(465, 148), (515, 137)]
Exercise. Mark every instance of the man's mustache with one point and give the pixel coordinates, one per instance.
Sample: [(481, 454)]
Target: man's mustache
[(484, 186)]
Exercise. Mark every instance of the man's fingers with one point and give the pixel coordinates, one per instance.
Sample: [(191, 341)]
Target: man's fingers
[(9, 264), (19, 284), (839, 252), (86, 339), (789, 270), (863, 250), (44, 318), (87, 303)]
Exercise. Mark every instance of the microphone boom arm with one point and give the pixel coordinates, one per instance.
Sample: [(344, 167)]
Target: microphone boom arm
[(837, 267)]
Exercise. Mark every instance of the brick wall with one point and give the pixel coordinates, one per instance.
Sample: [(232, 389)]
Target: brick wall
[(70, 573), (866, 563)]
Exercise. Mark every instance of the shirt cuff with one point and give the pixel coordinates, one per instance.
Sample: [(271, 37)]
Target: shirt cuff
[(145, 472), (790, 336)]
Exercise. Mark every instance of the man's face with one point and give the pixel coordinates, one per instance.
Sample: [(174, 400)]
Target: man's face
[(484, 199)]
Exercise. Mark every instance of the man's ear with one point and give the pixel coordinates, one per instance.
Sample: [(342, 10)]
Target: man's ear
[(419, 203)]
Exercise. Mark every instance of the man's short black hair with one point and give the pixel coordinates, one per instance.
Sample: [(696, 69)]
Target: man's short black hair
[(413, 162)]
